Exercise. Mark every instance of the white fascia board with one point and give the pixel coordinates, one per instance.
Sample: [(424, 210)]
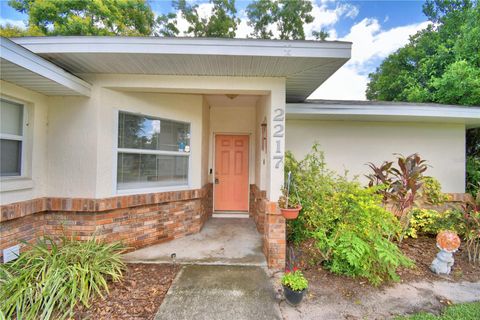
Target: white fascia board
[(22, 57), (192, 46), (468, 115)]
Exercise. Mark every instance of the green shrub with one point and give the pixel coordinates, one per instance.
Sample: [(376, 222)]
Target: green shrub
[(431, 222), (351, 229), (47, 281), (473, 175), (432, 191)]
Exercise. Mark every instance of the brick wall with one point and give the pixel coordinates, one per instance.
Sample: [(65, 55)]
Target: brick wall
[(136, 220), (258, 201), (271, 224)]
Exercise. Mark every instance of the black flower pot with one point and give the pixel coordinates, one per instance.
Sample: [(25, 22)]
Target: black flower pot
[(293, 297)]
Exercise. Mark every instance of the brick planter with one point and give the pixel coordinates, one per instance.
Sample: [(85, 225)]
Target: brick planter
[(271, 224), (136, 220)]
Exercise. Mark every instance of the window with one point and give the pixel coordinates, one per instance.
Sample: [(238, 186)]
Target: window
[(11, 138), (152, 152)]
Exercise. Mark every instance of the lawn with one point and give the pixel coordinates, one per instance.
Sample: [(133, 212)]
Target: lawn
[(467, 311)]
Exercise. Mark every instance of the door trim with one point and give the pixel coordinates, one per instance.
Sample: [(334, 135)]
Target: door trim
[(214, 164)]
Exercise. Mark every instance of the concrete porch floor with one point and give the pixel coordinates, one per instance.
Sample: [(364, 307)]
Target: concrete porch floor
[(222, 241)]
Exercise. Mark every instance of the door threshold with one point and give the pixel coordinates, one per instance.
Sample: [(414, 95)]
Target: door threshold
[(243, 215)]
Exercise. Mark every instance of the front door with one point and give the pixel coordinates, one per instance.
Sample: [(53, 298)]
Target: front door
[(231, 173)]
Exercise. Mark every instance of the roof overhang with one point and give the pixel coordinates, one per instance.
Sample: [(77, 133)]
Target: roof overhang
[(384, 112), (28, 70), (304, 64)]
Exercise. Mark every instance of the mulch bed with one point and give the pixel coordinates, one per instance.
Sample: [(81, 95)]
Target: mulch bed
[(421, 250), (137, 297)]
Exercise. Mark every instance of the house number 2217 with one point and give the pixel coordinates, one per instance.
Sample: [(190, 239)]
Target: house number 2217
[(278, 134)]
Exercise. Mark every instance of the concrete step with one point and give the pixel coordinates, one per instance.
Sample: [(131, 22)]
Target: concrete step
[(230, 215)]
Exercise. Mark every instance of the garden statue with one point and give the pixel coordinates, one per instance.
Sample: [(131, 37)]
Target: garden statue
[(448, 242)]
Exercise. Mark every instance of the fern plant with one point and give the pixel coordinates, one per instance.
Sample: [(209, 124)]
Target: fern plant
[(351, 229)]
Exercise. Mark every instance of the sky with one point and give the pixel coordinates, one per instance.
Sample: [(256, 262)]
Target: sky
[(376, 29)]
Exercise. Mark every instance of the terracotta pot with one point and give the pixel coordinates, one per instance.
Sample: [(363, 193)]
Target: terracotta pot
[(292, 297), (291, 214)]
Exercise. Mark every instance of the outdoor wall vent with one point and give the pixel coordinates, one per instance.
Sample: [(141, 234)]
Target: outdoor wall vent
[(11, 253)]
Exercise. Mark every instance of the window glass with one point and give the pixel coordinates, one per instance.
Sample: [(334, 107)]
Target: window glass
[(11, 117), (151, 170), (142, 132), (10, 157), (152, 152)]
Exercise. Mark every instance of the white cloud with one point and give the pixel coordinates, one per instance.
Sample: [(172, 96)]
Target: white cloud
[(16, 23), (370, 43), (325, 17)]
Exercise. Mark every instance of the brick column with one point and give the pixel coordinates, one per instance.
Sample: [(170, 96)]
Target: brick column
[(274, 237)]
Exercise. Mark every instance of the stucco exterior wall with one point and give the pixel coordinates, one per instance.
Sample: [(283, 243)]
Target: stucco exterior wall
[(72, 146), (34, 182), (180, 107), (349, 145), (205, 141), (261, 157), (74, 150)]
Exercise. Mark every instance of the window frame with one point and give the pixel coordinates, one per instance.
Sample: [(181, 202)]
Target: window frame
[(118, 150), (14, 137)]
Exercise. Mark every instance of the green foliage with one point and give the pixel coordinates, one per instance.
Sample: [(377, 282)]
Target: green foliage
[(321, 35), (466, 311), (459, 84), (431, 222), (11, 31), (472, 230), (47, 281), (87, 17), (439, 64), (399, 187), (473, 175), (289, 16), (222, 23), (351, 229), (432, 191), (295, 280)]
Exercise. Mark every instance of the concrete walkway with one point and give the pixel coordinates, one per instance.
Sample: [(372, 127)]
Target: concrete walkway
[(222, 241), (220, 292), (328, 303)]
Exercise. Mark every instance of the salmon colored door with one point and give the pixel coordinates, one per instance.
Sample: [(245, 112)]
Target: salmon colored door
[(231, 173)]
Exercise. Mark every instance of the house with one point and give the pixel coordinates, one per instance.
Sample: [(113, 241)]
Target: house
[(141, 139)]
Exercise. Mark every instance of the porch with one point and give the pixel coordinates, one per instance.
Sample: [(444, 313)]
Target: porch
[(222, 241)]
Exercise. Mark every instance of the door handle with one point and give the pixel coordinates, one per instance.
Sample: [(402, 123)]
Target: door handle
[(217, 181)]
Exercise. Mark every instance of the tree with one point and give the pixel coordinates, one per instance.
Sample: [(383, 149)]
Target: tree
[(439, 64), (320, 35), (11, 31), (222, 23), (289, 16), (87, 17)]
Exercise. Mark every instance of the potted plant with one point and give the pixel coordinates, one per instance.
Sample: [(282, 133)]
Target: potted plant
[(294, 286), (289, 205)]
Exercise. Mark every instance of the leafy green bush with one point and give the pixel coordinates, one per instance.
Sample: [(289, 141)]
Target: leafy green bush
[(47, 281), (351, 229), (431, 222), (432, 191), (473, 175)]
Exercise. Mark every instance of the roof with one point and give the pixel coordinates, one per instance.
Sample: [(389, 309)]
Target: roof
[(24, 68), (304, 64), (384, 111)]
